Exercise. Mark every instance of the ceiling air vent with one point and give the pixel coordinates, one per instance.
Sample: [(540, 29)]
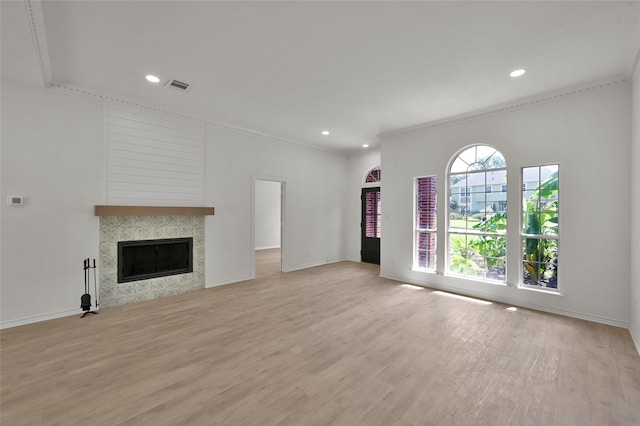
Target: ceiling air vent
[(178, 85)]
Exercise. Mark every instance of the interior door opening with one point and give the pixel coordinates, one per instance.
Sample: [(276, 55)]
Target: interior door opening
[(268, 202)]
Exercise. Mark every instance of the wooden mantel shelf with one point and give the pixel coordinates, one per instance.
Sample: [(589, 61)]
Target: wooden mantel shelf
[(152, 211)]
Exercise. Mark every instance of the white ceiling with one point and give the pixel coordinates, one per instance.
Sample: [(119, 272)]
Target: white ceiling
[(293, 69)]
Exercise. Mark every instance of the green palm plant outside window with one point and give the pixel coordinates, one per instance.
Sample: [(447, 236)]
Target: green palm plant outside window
[(540, 232)]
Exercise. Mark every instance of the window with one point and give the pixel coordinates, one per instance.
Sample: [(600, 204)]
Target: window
[(540, 224), (373, 175), (426, 221), (477, 226)]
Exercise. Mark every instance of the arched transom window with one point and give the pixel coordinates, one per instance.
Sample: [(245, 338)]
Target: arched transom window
[(478, 214), (373, 175)]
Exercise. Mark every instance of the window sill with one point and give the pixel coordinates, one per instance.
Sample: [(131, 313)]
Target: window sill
[(426, 271), (540, 290), (479, 280)]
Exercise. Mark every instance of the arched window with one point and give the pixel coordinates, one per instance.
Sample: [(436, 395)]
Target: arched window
[(373, 175), (478, 214)]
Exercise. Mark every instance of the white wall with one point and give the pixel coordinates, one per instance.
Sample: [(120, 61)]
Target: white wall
[(635, 208), (313, 211), (360, 163), (267, 214), (588, 134), (52, 154)]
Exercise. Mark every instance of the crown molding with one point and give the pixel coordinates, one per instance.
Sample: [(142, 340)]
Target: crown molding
[(36, 23), (518, 104), (77, 90)]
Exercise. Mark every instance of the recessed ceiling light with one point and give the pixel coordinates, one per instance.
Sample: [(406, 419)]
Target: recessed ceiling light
[(518, 72), (325, 132), (365, 145), (152, 78)]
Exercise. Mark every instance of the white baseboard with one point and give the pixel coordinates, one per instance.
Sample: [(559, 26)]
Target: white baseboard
[(579, 315), (40, 318), (228, 281), (313, 265), (267, 247)]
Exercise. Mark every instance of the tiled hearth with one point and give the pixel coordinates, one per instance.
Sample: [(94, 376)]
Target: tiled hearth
[(127, 228)]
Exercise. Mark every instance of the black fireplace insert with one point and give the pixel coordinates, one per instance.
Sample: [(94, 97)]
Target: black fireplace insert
[(144, 259)]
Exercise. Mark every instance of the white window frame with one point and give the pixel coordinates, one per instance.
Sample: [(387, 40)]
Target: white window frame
[(451, 231), (522, 235)]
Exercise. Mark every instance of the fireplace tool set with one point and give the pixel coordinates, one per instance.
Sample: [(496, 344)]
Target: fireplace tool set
[(85, 299)]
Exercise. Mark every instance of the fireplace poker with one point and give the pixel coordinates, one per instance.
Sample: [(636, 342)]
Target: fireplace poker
[(85, 299), (95, 286)]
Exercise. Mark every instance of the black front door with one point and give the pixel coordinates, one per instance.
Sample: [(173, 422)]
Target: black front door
[(370, 225)]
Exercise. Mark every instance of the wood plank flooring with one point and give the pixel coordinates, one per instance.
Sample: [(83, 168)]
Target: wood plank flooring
[(332, 345)]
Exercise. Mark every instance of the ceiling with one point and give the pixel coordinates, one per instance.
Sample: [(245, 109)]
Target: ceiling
[(357, 69)]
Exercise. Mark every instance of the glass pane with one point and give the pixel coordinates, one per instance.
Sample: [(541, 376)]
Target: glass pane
[(476, 255), (493, 249), (372, 215), (531, 177), (464, 221), (479, 256), (484, 153), (540, 200), (494, 161), (469, 155), (373, 175), (426, 242), (540, 262), (460, 257), (551, 169), (426, 202), (459, 165), (497, 268)]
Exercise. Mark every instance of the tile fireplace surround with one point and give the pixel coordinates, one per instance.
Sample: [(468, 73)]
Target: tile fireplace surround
[(127, 228)]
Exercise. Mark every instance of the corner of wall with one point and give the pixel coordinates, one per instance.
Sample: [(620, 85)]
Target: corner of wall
[(635, 339), (634, 324)]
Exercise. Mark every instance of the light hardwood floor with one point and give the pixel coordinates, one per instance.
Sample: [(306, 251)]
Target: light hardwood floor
[(332, 345)]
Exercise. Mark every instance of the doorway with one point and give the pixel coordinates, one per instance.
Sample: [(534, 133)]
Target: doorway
[(370, 225), (267, 253)]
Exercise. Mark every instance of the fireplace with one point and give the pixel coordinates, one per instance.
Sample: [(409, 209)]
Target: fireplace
[(145, 259), (114, 229)]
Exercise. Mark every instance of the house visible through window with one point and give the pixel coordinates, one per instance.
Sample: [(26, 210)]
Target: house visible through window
[(478, 221), (426, 221)]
